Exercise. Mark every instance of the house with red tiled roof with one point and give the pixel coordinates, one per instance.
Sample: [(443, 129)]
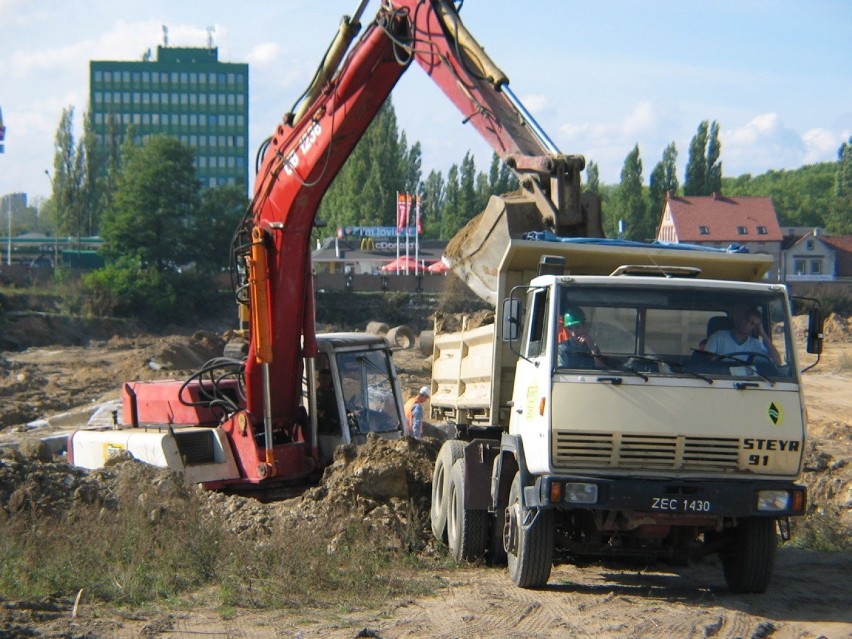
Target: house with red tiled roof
[(816, 257), (720, 221)]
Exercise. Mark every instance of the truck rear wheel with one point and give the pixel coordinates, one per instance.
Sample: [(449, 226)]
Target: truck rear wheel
[(749, 558), (451, 451), (528, 539), (467, 530)]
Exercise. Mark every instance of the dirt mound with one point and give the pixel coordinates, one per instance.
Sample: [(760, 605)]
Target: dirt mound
[(386, 484), (30, 486), (178, 353), (836, 328), (452, 322)]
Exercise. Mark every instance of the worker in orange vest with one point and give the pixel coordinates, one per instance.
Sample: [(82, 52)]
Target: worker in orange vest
[(414, 412)]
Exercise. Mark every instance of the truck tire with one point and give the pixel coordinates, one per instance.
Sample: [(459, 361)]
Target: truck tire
[(451, 451), (529, 540), (749, 558), (467, 530)]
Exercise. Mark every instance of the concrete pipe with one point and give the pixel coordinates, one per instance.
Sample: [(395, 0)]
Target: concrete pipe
[(427, 342), (377, 328), (401, 336)]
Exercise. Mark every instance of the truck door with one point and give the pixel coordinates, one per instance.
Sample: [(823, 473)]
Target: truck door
[(531, 393)]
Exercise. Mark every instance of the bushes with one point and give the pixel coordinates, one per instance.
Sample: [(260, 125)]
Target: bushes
[(126, 288)]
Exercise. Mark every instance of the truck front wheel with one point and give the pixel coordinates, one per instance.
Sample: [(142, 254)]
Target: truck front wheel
[(467, 530), (528, 540), (748, 559), (451, 451)]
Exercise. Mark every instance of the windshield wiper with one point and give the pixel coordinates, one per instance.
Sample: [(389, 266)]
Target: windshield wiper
[(682, 368), (732, 359), (677, 366)]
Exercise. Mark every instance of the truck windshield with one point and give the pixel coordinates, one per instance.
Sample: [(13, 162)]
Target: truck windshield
[(696, 332), (368, 393)]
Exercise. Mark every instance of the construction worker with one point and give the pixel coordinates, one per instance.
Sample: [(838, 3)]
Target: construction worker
[(414, 412)]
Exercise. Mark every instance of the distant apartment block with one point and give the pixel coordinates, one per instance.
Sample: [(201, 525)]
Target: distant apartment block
[(186, 93)]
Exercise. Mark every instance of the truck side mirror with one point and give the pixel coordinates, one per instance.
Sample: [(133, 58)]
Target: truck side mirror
[(815, 334), (511, 319)]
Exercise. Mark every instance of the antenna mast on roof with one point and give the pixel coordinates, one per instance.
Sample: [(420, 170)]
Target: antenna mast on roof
[(165, 36), (210, 31)]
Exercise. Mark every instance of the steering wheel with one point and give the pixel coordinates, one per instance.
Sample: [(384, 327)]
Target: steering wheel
[(764, 364)]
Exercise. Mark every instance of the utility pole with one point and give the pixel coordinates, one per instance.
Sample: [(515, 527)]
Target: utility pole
[(7, 201)]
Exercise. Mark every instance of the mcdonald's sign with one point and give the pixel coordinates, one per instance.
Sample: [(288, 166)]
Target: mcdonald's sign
[(368, 244)]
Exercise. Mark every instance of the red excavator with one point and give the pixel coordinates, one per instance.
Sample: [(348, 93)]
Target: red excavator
[(267, 419)]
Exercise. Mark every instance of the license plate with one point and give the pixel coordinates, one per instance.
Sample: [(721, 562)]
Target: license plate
[(680, 505)]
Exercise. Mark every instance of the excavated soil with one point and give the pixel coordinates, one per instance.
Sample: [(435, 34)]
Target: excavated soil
[(387, 485)]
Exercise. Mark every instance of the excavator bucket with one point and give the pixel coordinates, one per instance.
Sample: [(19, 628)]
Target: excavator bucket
[(476, 251)]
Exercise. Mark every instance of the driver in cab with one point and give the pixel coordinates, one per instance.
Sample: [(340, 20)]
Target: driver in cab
[(576, 347), (746, 336)]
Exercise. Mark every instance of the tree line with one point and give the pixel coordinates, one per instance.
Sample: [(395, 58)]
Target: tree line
[(164, 236)]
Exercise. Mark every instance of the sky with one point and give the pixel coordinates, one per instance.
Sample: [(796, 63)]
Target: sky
[(598, 77)]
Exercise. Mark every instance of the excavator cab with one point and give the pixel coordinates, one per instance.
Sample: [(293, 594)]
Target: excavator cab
[(353, 390)]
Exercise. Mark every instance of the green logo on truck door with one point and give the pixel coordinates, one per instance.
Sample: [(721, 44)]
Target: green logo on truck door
[(776, 415)]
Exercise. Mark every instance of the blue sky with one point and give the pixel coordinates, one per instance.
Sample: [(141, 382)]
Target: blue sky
[(599, 77)]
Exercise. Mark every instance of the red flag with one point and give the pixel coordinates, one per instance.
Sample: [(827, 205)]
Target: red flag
[(401, 211)]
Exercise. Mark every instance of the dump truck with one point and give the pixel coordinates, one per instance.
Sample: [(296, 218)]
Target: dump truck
[(641, 445)]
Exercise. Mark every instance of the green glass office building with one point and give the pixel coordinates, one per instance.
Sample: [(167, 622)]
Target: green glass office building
[(185, 93)]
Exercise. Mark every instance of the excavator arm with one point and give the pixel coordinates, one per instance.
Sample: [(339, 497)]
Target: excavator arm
[(310, 146)]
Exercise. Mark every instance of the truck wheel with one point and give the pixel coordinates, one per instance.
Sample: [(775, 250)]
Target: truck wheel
[(467, 530), (748, 560), (451, 451), (528, 539)]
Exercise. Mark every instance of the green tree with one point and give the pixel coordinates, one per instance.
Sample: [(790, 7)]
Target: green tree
[(469, 199), (802, 197), (593, 182), (663, 180), (630, 203), (714, 165), (696, 167), (839, 219), (451, 216), (433, 204), (69, 180), (154, 205), (222, 208)]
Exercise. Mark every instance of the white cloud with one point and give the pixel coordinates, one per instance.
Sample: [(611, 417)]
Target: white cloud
[(821, 145), (537, 103), (264, 53), (766, 143)]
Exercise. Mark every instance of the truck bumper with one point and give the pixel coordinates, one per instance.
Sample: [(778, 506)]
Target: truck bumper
[(673, 498)]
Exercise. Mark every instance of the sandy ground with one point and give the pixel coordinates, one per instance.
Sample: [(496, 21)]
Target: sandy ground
[(810, 596)]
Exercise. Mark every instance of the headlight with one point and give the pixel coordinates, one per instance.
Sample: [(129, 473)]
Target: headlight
[(772, 500), (577, 493)]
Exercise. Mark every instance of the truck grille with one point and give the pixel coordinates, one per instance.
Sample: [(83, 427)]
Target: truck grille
[(573, 450)]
